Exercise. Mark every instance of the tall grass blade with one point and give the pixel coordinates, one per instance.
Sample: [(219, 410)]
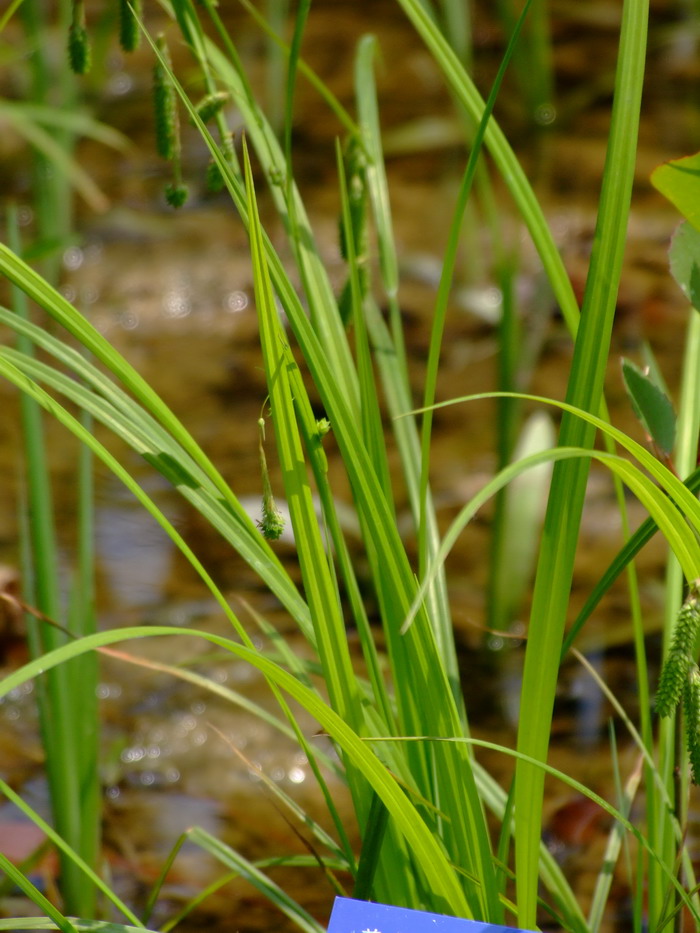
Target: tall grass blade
[(67, 697), (555, 567)]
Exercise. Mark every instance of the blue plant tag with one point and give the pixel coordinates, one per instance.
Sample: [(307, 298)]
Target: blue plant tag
[(350, 916)]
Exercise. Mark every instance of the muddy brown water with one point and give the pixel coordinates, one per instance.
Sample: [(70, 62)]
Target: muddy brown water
[(173, 292)]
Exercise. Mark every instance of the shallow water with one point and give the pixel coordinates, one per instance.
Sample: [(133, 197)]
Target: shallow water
[(173, 292)]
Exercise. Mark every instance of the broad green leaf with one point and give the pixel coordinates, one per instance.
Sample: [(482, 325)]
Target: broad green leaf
[(651, 406), (679, 181), (684, 256)]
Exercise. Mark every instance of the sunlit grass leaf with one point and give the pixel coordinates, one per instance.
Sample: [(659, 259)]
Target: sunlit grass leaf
[(652, 406), (35, 895), (266, 886), (684, 256), (83, 926), (679, 181)]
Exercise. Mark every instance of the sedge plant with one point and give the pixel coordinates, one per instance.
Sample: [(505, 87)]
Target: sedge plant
[(424, 805)]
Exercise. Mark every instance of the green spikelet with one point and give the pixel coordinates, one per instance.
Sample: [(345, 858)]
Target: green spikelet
[(687, 624), (176, 195), (272, 522), (674, 673), (129, 32), (210, 105), (214, 179), (79, 54), (165, 107), (691, 709), (671, 683), (356, 173)]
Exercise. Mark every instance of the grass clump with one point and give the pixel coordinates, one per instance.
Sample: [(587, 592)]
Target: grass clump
[(424, 805)]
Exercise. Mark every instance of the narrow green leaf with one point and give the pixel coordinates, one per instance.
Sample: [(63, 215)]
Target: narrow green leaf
[(427, 850), (257, 878), (35, 895)]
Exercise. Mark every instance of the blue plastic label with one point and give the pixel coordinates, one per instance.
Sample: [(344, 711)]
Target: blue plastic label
[(350, 916)]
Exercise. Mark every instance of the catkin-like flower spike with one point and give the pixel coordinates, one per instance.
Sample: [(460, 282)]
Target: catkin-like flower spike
[(129, 32), (165, 106), (79, 54), (272, 522), (680, 657), (691, 709)]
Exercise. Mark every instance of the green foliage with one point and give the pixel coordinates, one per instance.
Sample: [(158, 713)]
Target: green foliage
[(652, 406), (685, 261), (679, 181), (424, 805)]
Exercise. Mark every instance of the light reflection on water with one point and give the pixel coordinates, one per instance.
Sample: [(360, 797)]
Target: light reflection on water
[(134, 553)]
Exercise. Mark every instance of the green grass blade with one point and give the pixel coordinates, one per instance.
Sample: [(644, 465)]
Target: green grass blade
[(560, 533), (319, 293), (371, 419), (122, 415), (260, 881), (35, 895), (334, 105), (669, 748), (40, 291), (389, 351), (72, 856), (677, 498), (509, 167), (60, 159), (67, 699), (321, 594), (82, 926), (428, 853)]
